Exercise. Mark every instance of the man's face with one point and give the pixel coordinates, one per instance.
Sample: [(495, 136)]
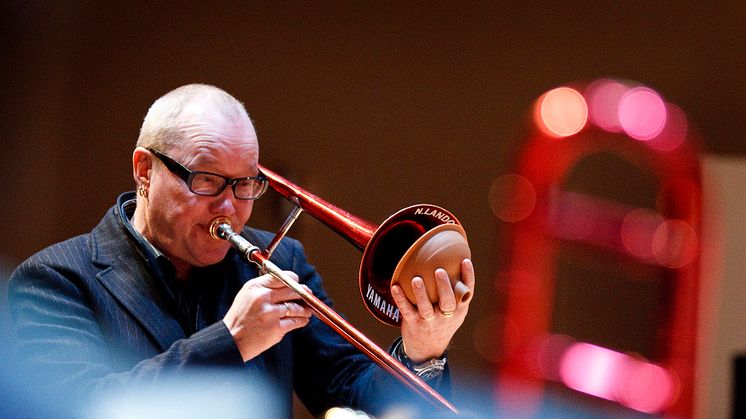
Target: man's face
[(178, 220)]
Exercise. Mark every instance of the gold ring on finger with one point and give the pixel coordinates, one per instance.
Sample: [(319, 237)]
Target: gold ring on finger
[(447, 313)]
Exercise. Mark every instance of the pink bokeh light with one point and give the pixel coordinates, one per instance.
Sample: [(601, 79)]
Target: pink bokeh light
[(675, 131), (638, 229), (591, 369), (645, 387), (618, 377), (603, 97), (642, 113), (675, 244)]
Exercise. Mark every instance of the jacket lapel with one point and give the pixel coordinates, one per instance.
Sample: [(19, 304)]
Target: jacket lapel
[(129, 281)]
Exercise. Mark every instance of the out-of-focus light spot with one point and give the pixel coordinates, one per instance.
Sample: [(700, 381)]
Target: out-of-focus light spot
[(642, 113), (614, 376), (561, 112), (512, 198), (590, 369), (344, 413), (674, 132), (550, 354), (645, 387), (638, 228), (675, 244), (604, 96), (206, 394)]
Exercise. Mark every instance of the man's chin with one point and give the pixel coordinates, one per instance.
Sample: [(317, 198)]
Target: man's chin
[(212, 256)]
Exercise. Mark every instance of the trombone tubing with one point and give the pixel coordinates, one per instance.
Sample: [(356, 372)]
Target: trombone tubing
[(223, 230)]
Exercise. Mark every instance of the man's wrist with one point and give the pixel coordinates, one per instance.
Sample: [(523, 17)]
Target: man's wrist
[(426, 369)]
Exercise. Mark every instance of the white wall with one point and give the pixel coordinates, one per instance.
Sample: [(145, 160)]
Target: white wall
[(723, 291)]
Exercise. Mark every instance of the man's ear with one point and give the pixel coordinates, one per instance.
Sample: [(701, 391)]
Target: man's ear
[(142, 165)]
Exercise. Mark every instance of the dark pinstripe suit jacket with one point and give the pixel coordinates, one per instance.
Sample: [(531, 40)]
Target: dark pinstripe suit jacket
[(89, 317)]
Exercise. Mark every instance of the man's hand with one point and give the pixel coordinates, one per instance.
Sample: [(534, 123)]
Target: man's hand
[(427, 328), (262, 313)]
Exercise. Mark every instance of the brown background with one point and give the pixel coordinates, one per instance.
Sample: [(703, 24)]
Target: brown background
[(373, 106)]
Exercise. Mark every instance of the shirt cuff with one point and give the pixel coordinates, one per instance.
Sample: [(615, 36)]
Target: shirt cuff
[(427, 369)]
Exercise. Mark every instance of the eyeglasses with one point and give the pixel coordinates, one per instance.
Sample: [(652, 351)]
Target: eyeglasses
[(211, 184)]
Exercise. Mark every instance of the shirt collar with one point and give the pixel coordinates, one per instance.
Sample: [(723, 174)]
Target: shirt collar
[(158, 263)]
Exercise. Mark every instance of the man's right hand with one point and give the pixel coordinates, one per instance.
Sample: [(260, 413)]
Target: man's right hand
[(263, 311)]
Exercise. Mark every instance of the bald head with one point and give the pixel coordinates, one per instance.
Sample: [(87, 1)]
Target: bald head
[(169, 116)]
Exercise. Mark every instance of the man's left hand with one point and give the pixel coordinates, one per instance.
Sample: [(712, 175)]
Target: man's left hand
[(427, 328)]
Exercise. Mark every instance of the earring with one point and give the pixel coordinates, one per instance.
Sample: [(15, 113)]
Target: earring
[(142, 191)]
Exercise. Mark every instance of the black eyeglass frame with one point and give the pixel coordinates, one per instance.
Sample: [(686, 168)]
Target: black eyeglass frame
[(188, 176)]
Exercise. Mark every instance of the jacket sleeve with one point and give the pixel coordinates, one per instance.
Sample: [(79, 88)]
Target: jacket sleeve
[(63, 349)]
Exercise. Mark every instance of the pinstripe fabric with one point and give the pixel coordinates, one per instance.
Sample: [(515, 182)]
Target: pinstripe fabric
[(88, 317)]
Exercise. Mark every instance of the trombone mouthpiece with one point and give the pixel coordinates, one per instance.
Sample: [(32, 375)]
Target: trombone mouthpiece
[(216, 232)]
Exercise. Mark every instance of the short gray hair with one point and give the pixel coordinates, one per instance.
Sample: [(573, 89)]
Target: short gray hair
[(162, 126)]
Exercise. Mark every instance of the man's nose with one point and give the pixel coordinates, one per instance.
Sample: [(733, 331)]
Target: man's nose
[(225, 203)]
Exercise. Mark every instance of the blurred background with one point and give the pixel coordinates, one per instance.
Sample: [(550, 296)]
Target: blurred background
[(377, 106)]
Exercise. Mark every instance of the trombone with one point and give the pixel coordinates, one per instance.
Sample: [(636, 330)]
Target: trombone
[(413, 242)]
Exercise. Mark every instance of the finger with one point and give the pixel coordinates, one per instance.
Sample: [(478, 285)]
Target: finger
[(266, 281), (279, 295), (424, 306), (446, 298), (292, 323), (467, 274), (293, 309), (281, 310), (270, 281), (406, 309)]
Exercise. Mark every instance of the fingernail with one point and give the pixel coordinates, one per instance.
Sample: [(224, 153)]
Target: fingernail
[(395, 290), (417, 282)]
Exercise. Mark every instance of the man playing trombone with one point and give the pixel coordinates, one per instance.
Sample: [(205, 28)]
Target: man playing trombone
[(148, 293)]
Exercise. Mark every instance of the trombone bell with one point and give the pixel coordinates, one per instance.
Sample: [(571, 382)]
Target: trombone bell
[(415, 241)]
